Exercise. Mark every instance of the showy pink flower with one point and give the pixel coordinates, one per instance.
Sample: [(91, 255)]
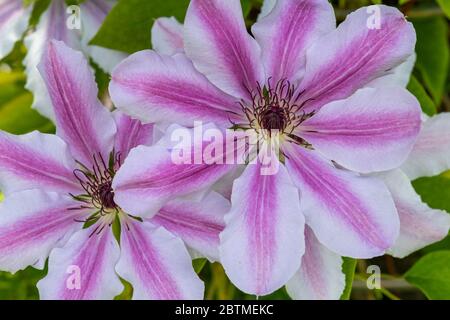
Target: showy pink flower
[(321, 87), (60, 202), (54, 24)]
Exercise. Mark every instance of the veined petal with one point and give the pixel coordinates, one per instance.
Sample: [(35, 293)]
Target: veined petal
[(52, 25), (93, 13), (13, 23), (167, 36), (262, 244), (150, 177), (399, 76), (320, 275), (81, 120), (419, 224), (356, 53), (197, 223), (35, 160), (431, 153), (156, 88), (83, 269), (217, 42), (285, 34), (351, 215), (373, 130), (32, 223), (130, 134), (157, 264)]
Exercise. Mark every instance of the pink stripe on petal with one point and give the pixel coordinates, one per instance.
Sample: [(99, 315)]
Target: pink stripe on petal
[(320, 275), (373, 130), (130, 134), (197, 223), (32, 223), (81, 119), (419, 224), (83, 269), (218, 43), (157, 264), (285, 34), (353, 55), (262, 244), (150, 177), (157, 88), (167, 36), (35, 160), (353, 216)]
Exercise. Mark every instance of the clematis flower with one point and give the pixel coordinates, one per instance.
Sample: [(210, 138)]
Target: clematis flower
[(60, 202), (53, 24), (307, 79)]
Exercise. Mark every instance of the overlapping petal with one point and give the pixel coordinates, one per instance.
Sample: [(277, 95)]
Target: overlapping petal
[(83, 269), (156, 88), (262, 244), (320, 275), (431, 153), (81, 119), (157, 264), (167, 36), (217, 42), (285, 34), (197, 223), (419, 224), (35, 160), (32, 223), (52, 25), (373, 130), (367, 45), (13, 23), (353, 216)]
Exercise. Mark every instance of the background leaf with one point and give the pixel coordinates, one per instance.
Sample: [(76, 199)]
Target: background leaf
[(425, 101), (348, 268)]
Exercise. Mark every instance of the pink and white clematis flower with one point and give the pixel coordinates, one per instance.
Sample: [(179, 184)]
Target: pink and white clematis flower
[(307, 79), (60, 202), (53, 24)]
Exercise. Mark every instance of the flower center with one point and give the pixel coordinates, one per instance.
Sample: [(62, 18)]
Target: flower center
[(97, 182), (274, 118)]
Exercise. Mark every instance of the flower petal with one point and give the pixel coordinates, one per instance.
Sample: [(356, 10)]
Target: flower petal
[(93, 13), (373, 130), (167, 36), (150, 177), (399, 76), (351, 215), (32, 223), (155, 88), (431, 153), (320, 275), (218, 43), (419, 224), (262, 244), (83, 269), (356, 53), (81, 120), (35, 160), (197, 223), (157, 264), (130, 134), (13, 23), (52, 25), (285, 34), (266, 8)]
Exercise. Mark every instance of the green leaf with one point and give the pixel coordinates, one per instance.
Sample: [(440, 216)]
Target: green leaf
[(432, 54), (348, 268), (431, 274), (435, 190), (199, 264), (445, 5), (425, 101), (128, 25)]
